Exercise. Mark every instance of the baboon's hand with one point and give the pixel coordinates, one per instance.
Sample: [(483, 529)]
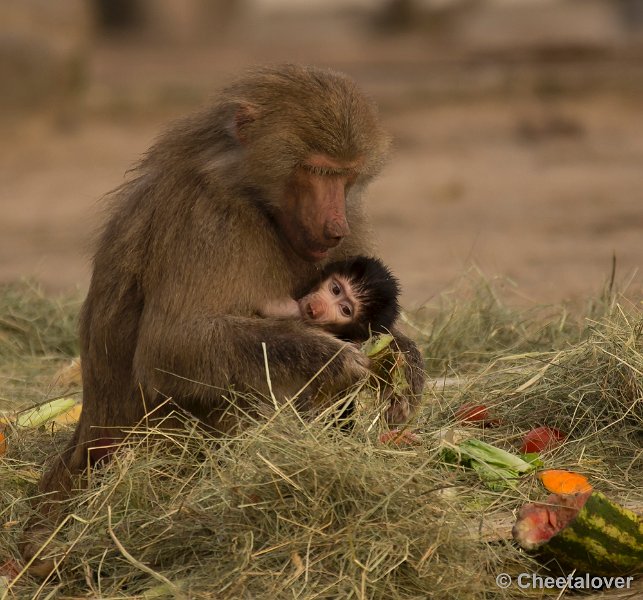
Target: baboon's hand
[(346, 366), (402, 404), (398, 411), (356, 363)]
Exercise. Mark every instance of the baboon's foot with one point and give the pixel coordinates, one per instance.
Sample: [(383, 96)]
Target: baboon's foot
[(32, 548)]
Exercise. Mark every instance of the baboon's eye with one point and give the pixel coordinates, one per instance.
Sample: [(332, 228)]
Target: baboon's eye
[(346, 310), (319, 171), (330, 171), (335, 288)]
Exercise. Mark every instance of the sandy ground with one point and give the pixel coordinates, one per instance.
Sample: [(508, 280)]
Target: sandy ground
[(540, 188)]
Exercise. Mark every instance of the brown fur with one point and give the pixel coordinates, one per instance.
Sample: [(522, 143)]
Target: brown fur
[(194, 246)]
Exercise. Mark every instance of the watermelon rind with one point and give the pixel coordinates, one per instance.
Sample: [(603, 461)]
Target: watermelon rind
[(603, 539)]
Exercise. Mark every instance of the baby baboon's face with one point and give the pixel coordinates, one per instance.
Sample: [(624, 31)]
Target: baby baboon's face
[(332, 304)]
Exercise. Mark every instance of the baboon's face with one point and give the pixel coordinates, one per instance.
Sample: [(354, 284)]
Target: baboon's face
[(332, 304), (312, 217)]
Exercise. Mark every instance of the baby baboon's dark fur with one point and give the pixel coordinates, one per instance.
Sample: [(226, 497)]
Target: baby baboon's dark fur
[(376, 290)]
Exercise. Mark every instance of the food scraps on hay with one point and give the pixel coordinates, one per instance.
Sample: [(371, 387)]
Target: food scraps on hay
[(62, 411), (475, 414), (584, 531), (9, 570), (541, 439), (387, 363), (559, 481), (44, 413), (497, 468), (400, 438)]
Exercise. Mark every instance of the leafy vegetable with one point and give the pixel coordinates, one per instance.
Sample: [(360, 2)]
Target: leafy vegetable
[(387, 363), (497, 468), (377, 344)]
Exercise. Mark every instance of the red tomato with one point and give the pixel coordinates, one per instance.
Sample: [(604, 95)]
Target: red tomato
[(541, 439), (472, 413), (475, 414)]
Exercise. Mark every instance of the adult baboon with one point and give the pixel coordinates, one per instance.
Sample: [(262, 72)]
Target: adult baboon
[(235, 206)]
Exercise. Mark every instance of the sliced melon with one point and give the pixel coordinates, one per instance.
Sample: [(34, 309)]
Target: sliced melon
[(584, 531)]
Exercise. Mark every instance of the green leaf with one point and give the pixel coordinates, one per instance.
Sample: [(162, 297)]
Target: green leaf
[(497, 468), (377, 344)]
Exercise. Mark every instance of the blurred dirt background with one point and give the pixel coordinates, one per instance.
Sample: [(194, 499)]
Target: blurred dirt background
[(518, 125)]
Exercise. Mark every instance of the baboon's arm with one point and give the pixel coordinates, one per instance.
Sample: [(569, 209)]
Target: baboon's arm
[(201, 355)]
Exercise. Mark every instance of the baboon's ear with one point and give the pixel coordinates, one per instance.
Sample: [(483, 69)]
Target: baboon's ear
[(245, 114)]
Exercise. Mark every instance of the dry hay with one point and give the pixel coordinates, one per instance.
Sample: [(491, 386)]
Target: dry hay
[(281, 510), (289, 509), (580, 374), (36, 332), (33, 324), (470, 325)]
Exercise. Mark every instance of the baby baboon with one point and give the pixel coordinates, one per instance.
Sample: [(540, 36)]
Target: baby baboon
[(234, 206), (355, 297)]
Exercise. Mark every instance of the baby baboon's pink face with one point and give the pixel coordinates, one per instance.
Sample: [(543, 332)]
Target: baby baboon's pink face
[(332, 302)]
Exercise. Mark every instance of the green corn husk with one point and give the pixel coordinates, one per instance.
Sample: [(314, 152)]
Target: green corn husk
[(44, 413)]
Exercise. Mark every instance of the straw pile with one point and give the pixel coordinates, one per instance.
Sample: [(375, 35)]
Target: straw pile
[(289, 509)]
